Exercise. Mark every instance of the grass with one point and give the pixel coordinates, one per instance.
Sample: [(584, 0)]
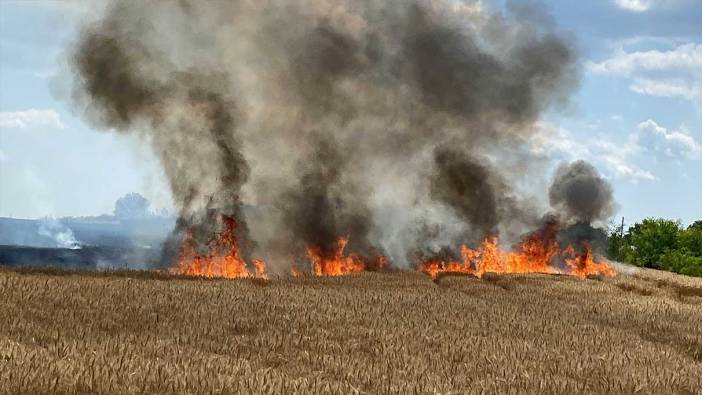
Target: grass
[(137, 332)]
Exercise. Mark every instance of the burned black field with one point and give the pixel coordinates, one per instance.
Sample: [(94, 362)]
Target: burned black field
[(130, 332)]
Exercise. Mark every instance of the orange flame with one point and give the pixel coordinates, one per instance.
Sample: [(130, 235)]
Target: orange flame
[(534, 255), (222, 260), (339, 264)]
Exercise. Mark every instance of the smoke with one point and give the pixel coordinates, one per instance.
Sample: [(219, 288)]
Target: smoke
[(61, 235), (465, 185), (454, 73), (581, 194), (334, 118), (583, 201), (189, 114), (322, 207)]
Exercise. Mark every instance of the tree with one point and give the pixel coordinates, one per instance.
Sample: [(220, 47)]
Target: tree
[(616, 243), (650, 239), (660, 244), (691, 239), (132, 206), (681, 261)]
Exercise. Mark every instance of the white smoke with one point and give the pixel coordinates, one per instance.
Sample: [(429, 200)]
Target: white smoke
[(55, 230)]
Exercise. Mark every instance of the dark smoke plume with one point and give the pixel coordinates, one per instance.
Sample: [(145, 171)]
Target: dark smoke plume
[(326, 114), (454, 73), (466, 186), (580, 193), (190, 116), (321, 208), (584, 201)]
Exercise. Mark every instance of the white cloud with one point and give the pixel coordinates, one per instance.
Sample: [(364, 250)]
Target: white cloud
[(639, 5), (672, 143), (616, 159), (30, 118), (672, 88), (686, 56), (676, 73), (634, 5)]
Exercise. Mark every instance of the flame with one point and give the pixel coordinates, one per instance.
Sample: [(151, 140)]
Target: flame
[(534, 255), (583, 264), (260, 269), (223, 258), (338, 264)]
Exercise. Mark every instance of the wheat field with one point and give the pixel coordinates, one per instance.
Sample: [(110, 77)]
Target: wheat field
[(368, 333)]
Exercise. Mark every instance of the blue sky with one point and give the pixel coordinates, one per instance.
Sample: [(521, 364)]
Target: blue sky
[(637, 115)]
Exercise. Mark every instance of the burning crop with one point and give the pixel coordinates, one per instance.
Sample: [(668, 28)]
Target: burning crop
[(222, 259), (531, 256), (330, 134), (539, 252), (338, 263)]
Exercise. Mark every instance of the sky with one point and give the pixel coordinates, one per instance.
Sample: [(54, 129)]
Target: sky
[(637, 115)]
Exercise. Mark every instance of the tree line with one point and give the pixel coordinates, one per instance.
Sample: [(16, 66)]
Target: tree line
[(659, 243)]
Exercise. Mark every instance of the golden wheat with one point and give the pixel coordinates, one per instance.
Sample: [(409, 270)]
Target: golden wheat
[(367, 333)]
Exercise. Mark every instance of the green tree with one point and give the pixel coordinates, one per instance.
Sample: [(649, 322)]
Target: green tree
[(617, 243), (681, 261), (691, 239), (650, 240), (660, 244)]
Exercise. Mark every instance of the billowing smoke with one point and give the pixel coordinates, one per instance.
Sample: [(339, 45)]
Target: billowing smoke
[(456, 71), (188, 114), (466, 186), (321, 207), (334, 118), (580, 193), (582, 198)]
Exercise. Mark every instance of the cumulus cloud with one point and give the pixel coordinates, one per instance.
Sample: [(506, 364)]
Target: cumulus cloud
[(639, 5), (671, 88), (616, 160), (619, 159), (30, 118), (676, 73), (672, 143), (634, 5), (686, 57)]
